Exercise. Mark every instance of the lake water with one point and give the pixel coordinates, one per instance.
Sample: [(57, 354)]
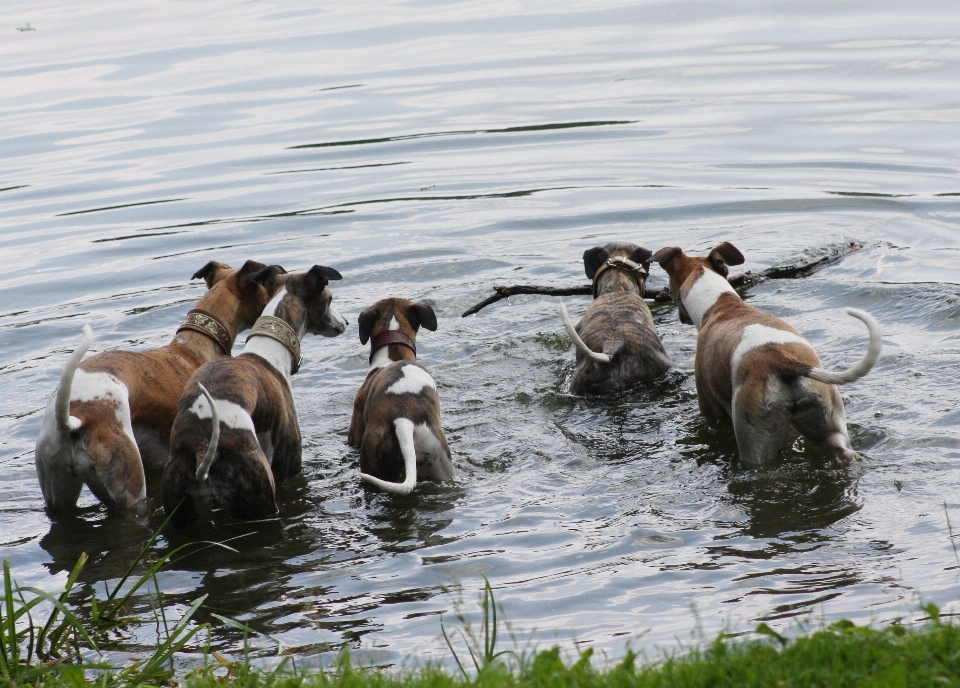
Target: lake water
[(430, 150)]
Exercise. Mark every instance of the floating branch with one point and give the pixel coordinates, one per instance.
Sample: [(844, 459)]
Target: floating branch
[(802, 268)]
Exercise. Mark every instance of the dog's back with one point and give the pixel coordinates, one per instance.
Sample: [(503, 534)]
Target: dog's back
[(403, 390), (258, 445), (620, 325)]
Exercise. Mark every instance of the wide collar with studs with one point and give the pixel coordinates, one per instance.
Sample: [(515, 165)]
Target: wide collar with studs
[(280, 330), (635, 270), (387, 337), (206, 323)]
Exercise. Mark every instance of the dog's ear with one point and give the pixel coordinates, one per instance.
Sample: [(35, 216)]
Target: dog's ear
[(211, 273), (665, 255), (593, 258), (245, 274), (723, 255), (268, 278), (641, 255), (366, 321), (421, 315), (325, 274)]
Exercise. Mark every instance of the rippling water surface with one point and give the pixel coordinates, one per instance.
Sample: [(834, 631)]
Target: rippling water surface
[(431, 150)]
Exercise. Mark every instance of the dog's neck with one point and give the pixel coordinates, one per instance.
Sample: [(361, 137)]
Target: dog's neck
[(227, 310), (704, 293), (274, 352), (391, 353), (614, 280)]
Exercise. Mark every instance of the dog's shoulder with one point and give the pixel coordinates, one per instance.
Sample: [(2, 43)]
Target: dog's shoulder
[(404, 377)]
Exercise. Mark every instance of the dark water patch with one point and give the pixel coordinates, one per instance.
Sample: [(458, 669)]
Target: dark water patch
[(337, 88), (345, 167), (22, 186), (116, 207), (132, 236), (868, 194), (464, 132)]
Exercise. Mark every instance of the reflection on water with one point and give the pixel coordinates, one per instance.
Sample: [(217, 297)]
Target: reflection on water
[(431, 155)]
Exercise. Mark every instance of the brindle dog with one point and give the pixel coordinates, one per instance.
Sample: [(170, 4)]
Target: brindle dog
[(231, 446), (617, 343), (110, 418)]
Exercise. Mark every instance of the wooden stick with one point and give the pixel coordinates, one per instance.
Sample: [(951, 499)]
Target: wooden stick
[(747, 279)]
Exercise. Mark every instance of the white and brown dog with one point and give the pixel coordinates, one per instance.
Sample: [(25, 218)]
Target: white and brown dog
[(111, 415), (230, 446), (754, 367), (617, 342), (396, 413)]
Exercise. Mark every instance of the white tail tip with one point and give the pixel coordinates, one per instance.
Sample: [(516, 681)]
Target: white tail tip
[(572, 331)]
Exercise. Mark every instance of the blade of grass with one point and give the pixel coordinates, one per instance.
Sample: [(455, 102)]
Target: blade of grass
[(75, 623), (71, 580), (246, 629), (171, 646)]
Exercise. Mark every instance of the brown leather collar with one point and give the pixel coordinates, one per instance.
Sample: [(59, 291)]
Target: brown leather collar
[(388, 337), (635, 270), (280, 330), (206, 323)]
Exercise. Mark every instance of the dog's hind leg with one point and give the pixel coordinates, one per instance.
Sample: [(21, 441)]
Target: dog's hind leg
[(115, 472), (761, 419), (820, 417)]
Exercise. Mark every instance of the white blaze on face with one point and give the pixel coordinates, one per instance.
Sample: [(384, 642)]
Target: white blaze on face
[(106, 388), (704, 293), (758, 335), (231, 415), (413, 381), (271, 308)]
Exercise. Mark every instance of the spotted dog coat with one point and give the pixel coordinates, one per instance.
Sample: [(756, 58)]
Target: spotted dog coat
[(236, 463), (755, 368), (617, 331), (111, 415), (396, 413)]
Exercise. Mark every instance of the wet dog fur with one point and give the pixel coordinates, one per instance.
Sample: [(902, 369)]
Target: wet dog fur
[(257, 444), (111, 415), (618, 325), (396, 413), (755, 368)]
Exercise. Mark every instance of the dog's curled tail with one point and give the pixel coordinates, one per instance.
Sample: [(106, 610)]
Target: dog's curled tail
[(67, 422), (863, 367), (203, 470), (572, 331), (404, 429)]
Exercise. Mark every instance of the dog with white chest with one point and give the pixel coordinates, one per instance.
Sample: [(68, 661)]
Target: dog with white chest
[(755, 368), (236, 434), (396, 413)]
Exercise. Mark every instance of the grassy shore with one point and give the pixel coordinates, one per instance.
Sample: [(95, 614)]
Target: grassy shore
[(45, 642)]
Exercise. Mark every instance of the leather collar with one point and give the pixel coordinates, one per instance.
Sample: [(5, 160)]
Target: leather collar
[(635, 270), (280, 330), (388, 337), (206, 323)]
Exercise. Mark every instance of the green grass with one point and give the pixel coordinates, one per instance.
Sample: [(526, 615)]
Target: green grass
[(44, 642)]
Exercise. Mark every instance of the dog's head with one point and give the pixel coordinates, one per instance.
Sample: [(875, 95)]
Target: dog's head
[(685, 270), (238, 297), (595, 258), (308, 302), (396, 314)]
